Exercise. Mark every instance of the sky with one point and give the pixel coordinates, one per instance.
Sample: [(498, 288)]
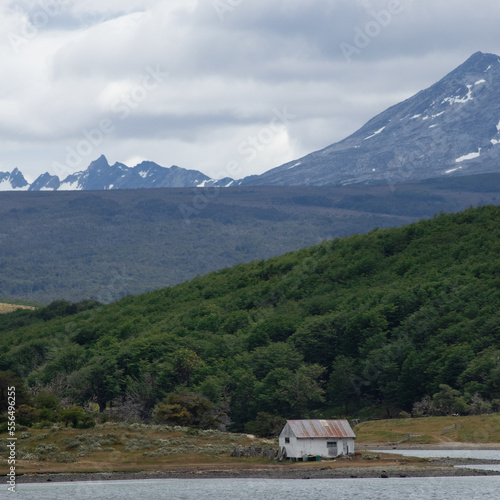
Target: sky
[(228, 87)]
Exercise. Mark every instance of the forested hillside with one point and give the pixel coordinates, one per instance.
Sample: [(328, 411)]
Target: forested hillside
[(366, 325)]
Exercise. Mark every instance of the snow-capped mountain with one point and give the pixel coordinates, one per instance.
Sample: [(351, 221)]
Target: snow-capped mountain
[(451, 128), (100, 175), (13, 181)]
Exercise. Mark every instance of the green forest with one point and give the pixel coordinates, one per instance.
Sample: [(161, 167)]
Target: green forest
[(396, 321)]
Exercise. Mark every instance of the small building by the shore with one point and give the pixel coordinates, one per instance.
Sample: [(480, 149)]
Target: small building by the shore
[(324, 438)]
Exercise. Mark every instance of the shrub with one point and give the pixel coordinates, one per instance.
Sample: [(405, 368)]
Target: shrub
[(77, 418)]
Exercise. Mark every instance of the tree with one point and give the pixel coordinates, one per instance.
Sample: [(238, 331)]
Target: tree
[(478, 406), (483, 374), (318, 339), (98, 381), (27, 415), (189, 409), (266, 425), (291, 393), (141, 396), (185, 362), (341, 385), (8, 379), (272, 395), (277, 355), (448, 401), (242, 386), (304, 389)]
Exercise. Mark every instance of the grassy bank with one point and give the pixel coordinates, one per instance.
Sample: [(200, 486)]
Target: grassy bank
[(115, 447), (431, 430), (123, 447)]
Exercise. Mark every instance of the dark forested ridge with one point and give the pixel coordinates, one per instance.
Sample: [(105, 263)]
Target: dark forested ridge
[(108, 244), (365, 325)]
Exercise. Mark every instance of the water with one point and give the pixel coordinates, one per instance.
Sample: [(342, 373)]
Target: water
[(477, 454), (458, 488), (495, 468)]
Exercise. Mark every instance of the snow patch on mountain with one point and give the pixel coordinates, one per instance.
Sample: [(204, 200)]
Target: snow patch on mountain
[(453, 170), (5, 185), (370, 136), (458, 99), (470, 156), (69, 186)]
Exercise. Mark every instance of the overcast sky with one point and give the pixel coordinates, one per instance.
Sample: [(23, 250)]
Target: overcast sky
[(228, 87)]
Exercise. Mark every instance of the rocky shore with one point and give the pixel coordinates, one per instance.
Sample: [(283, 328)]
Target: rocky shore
[(443, 467)]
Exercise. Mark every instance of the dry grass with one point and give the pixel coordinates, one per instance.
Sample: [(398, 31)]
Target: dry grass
[(119, 447), (429, 430), (7, 308)]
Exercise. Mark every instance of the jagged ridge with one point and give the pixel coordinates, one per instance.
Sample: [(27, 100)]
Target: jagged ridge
[(100, 175)]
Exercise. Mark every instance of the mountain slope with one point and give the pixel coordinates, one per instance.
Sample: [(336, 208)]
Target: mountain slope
[(13, 181), (451, 128), (100, 175), (375, 321)]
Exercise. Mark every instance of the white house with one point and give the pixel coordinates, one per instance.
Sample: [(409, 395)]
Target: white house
[(326, 438)]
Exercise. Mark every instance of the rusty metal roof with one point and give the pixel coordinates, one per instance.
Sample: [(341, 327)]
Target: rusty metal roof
[(321, 428)]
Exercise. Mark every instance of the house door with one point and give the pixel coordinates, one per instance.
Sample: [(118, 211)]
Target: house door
[(331, 447), (346, 449)]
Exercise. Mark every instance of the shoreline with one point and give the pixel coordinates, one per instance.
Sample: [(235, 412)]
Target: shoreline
[(351, 473), (434, 468), (389, 465)]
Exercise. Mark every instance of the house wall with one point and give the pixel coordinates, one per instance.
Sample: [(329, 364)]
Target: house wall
[(292, 445)]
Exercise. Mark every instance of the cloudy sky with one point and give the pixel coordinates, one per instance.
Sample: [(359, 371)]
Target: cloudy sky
[(228, 87)]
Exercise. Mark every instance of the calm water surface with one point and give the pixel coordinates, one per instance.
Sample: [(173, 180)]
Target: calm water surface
[(495, 468), (477, 454), (460, 488)]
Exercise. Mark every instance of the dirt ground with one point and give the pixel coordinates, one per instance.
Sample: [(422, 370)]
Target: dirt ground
[(379, 466)]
